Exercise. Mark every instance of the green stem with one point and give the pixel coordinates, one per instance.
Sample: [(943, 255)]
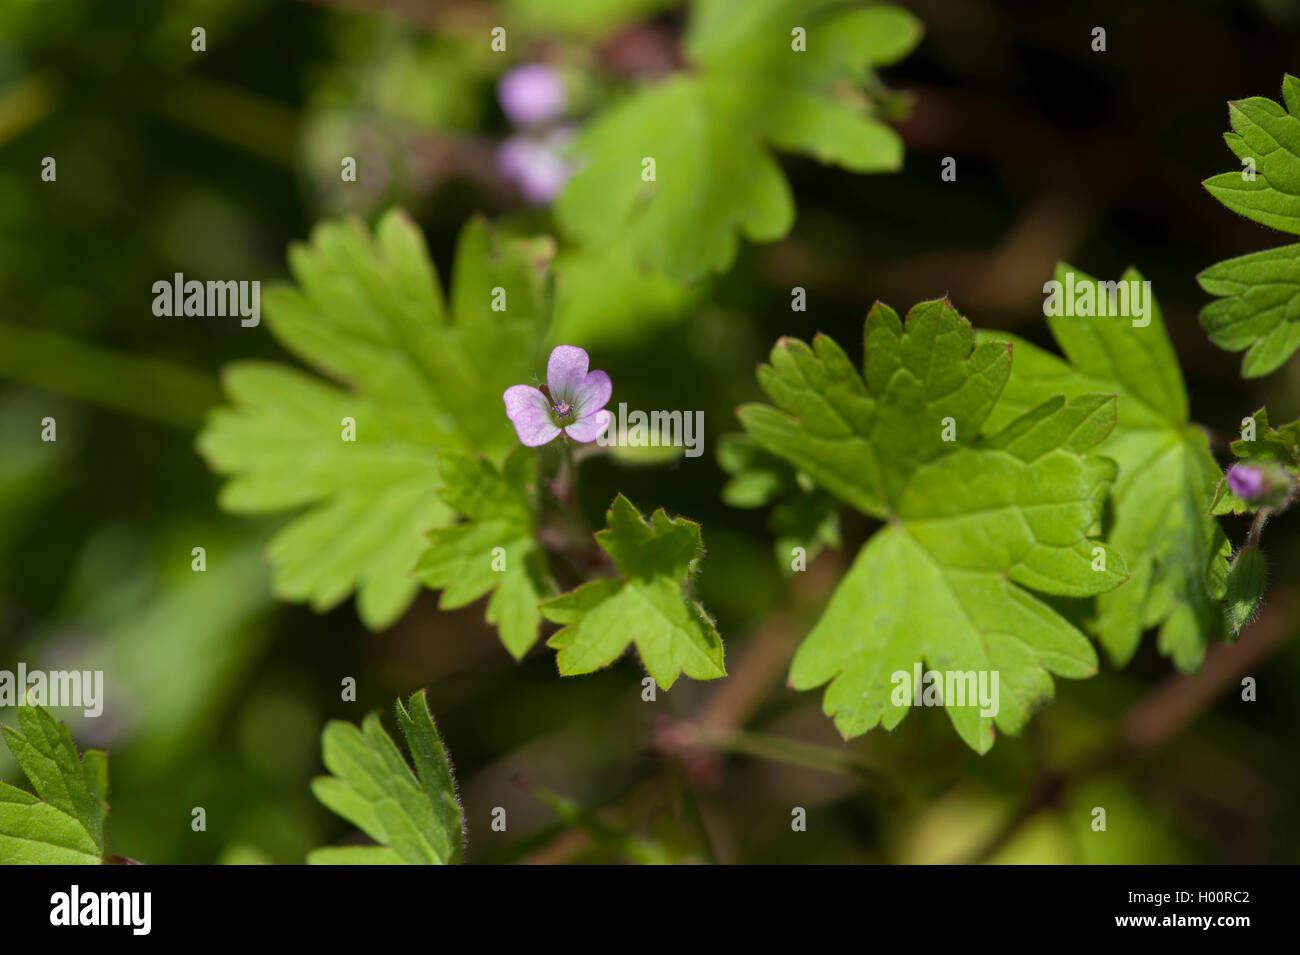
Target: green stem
[(644, 851), (115, 379), (1257, 525), (575, 545), (795, 752)]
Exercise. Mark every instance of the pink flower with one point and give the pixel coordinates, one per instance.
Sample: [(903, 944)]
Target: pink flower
[(537, 165), (531, 95), (575, 405)]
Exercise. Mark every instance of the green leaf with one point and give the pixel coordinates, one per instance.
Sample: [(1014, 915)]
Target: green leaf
[(710, 131), (494, 550), (972, 523), (63, 824), (647, 606), (603, 299), (123, 380), (713, 179), (415, 818), (369, 312), (1275, 445), (1269, 135), (1176, 553), (1226, 502), (1258, 308)]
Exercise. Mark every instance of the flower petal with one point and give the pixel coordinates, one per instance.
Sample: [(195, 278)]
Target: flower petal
[(530, 413), (589, 428), (592, 393), (565, 370)]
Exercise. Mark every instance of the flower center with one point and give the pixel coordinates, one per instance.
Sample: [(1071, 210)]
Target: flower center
[(563, 412)]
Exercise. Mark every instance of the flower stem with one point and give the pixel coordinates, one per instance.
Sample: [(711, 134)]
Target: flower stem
[(1257, 525), (572, 533), (793, 752), (570, 477)]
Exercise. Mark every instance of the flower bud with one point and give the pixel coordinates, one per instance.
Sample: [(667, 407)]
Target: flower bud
[(532, 95), (1263, 485), (1246, 579)]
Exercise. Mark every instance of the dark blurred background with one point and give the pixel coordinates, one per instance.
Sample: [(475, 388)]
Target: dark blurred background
[(213, 163)]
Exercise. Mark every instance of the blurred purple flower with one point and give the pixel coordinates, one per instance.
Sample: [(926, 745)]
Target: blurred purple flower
[(531, 95), (537, 166), (575, 405), (1245, 481)]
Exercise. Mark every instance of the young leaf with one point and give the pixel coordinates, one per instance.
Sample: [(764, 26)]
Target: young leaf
[(363, 460), (972, 523), (495, 549), (416, 819), (710, 131), (63, 824), (1276, 445), (647, 606), (1268, 134), (1259, 309), (1176, 554)]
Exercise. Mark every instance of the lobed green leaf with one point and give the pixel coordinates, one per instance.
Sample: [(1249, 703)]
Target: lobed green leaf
[(419, 375), (973, 523), (1258, 310), (1160, 501), (710, 132), (495, 550), (416, 818), (646, 607), (63, 824)]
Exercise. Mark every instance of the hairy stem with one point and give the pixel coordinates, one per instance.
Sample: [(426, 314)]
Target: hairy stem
[(1257, 526), (794, 752)]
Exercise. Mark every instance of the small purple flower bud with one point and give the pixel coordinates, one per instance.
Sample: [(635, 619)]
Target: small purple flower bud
[(531, 95), (1245, 481)]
